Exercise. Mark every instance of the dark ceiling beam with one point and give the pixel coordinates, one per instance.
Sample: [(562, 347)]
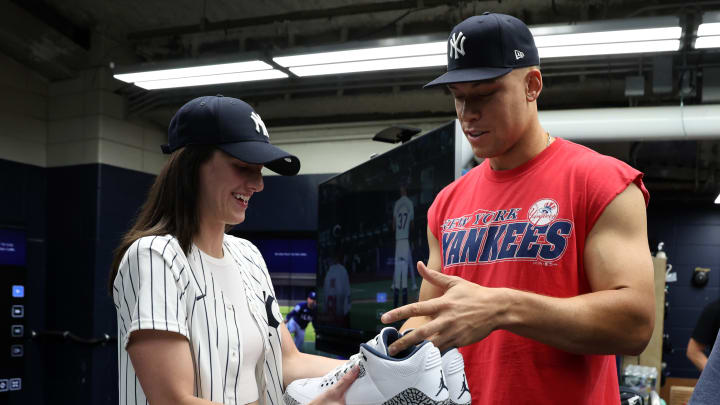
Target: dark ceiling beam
[(291, 16), (48, 15)]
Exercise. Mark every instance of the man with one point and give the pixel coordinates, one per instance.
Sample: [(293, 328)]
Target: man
[(703, 337), (336, 291), (539, 267), (297, 319), (403, 218)]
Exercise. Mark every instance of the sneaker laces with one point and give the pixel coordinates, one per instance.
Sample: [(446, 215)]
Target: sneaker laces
[(338, 372)]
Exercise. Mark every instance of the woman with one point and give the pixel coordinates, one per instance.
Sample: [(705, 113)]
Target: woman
[(198, 322)]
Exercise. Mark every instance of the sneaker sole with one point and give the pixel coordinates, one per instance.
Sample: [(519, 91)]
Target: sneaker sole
[(411, 396)]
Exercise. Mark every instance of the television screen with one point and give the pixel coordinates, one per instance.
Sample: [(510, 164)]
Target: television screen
[(12, 247), (371, 232), (288, 255)]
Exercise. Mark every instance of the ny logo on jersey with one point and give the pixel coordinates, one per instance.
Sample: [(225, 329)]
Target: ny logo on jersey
[(457, 45), (259, 124)]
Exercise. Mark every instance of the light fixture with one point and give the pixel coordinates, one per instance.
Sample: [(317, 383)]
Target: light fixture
[(212, 79), (717, 199), (202, 75), (612, 37), (417, 55), (708, 32)]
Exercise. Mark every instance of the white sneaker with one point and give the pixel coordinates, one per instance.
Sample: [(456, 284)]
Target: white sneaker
[(453, 367), (414, 376)]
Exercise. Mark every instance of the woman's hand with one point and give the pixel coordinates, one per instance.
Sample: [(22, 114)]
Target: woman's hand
[(336, 394)]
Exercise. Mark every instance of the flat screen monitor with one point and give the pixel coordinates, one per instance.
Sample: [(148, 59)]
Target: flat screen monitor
[(288, 255), (12, 247), (372, 224)]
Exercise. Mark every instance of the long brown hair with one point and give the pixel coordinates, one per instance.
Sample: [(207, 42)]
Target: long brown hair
[(172, 203)]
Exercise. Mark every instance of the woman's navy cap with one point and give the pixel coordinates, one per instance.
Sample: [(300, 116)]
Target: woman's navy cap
[(231, 125), (487, 46)]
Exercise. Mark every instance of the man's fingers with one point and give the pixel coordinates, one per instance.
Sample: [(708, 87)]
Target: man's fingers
[(435, 277), (408, 311), (416, 336), (402, 344)]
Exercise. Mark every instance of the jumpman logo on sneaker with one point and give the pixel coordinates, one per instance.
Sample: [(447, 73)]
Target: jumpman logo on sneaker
[(464, 387), (442, 384)]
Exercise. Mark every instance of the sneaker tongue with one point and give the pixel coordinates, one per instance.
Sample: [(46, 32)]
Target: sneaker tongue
[(385, 338)]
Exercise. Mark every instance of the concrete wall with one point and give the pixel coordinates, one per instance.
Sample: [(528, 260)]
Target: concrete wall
[(23, 114)]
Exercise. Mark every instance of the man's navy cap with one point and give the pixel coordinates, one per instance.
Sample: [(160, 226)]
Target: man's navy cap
[(232, 126), (487, 46), (312, 294)]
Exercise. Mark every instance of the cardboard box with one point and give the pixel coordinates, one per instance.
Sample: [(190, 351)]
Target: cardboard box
[(680, 395)]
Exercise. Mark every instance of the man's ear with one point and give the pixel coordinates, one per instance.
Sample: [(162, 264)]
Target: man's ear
[(533, 84)]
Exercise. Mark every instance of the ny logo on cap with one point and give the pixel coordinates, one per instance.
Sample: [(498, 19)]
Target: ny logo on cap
[(457, 44), (519, 55), (259, 124)]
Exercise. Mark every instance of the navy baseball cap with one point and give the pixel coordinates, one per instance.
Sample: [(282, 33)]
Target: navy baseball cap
[(233, 127), (487, 46), (312, 294)]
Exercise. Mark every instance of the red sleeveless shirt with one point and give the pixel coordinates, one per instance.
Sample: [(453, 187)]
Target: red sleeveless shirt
[(525, 229)]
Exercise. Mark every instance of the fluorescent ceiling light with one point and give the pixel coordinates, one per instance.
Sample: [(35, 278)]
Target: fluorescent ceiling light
[(717, 200), (386, 52), (205, 70), (610, 49), (708, 33), (552, 42), (708, 29), (707, 42), (605, 37), (371, 65), (213, 79)]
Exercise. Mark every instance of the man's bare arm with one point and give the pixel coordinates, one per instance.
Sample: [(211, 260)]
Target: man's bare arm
[(696, 354)]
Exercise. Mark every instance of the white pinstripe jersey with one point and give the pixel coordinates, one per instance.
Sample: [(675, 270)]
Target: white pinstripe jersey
[(156, 288)]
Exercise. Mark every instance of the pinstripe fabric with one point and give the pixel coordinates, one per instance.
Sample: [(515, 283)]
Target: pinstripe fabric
[(157, 288)]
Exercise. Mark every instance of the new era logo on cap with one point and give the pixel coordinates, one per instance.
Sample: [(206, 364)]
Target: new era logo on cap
[(519, 54)]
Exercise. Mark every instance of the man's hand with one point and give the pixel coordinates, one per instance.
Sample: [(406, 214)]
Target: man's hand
[(465, 312), (336, 394)]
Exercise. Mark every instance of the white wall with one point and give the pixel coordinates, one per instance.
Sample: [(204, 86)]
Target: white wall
[(87, 125), (335, 148)]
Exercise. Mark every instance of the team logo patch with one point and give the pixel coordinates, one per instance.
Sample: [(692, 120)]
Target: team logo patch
[(273, 312), (543, 212)]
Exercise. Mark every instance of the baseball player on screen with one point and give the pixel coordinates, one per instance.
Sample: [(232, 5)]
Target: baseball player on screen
[(403, 218)]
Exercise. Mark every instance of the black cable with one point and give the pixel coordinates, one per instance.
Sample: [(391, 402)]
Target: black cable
[(71, 337)]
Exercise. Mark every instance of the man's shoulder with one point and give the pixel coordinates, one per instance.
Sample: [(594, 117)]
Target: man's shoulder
[(580, 157)]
